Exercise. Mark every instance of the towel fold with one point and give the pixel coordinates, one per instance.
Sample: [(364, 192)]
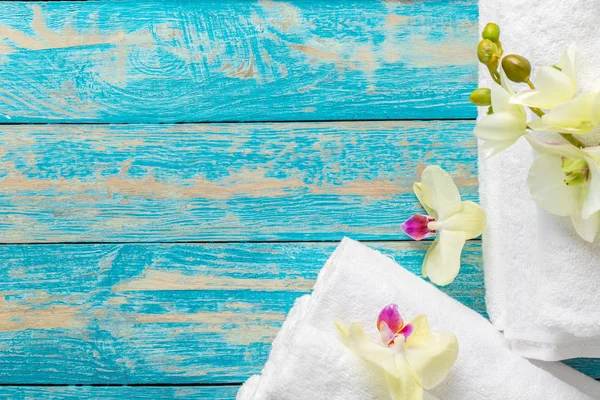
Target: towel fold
[(542, 280), (308, 360)]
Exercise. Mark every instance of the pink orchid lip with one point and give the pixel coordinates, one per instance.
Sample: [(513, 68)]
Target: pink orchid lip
[(416, 227), (391, 325), (391, 317), (406, 331)]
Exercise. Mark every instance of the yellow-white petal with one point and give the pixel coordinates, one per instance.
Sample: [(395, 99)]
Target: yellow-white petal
[(586, 228), (439, 192), (505, 83), (442, 261), (378, 355), (420, 334), (567, 63), (591, 202), (546, 185), (501, 126), (553, 87), (490, 148), (596, 110), (500, 97), (560, 149), (433, 361), (406, 386), (426, 201), (575, 116), (470, 220)]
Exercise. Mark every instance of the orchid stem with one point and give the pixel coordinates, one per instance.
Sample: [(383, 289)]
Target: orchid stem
[(530, 84), (573, 140), (537, 111)]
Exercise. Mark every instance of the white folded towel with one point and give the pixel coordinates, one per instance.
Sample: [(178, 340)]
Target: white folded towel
[(308, 360), (542, 280)]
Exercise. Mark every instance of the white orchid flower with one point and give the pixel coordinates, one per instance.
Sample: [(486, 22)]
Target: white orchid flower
[(553, 85), (454, 221), (506, 125), (565, 181), (411, 356)]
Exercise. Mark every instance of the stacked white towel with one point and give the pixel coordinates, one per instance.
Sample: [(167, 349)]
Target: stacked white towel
[(542, 280), (308, 361)]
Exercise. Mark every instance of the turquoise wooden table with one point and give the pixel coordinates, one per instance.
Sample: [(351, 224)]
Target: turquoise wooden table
[(174, 173)]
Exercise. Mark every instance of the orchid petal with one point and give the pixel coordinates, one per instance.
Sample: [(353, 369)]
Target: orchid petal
[(501, 126), (591, 202), (593, 153), (391, 317), (553, 87), (500, 98), (387, 335), (406, 386), (418, 189), (567, 63), (420, 334), (547, 186), (442, 261), (505, 83), (542, 126), (559, 149), (586, 228), (470, 220), (380, 356), (574, 116), (489, 148), (432, 362), (557, 85), (439, 189), (596, 110), (406, 331)]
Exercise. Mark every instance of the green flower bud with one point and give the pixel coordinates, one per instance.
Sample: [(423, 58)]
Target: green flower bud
[(481, 97), (517, 68), (576, 171), (486, 51), (491, 32)]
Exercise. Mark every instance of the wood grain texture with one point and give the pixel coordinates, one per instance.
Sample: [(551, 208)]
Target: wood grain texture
[(236, 60), (170, 313), (222, 182), (121, 393)]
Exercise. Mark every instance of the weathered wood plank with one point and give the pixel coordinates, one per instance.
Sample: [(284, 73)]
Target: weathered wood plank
[(164, 313), (121, 393), (168, 313), (222, 182), (233, 60)]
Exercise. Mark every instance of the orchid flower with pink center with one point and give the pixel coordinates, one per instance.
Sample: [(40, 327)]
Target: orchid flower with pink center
[(453, 221), (412, 357)]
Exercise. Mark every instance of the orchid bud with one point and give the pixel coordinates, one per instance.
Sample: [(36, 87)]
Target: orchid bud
[(486, 51), (491, 32), (517, 68), (481, 97)]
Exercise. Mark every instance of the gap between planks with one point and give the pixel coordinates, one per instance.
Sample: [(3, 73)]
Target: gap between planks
[(244, 122)]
